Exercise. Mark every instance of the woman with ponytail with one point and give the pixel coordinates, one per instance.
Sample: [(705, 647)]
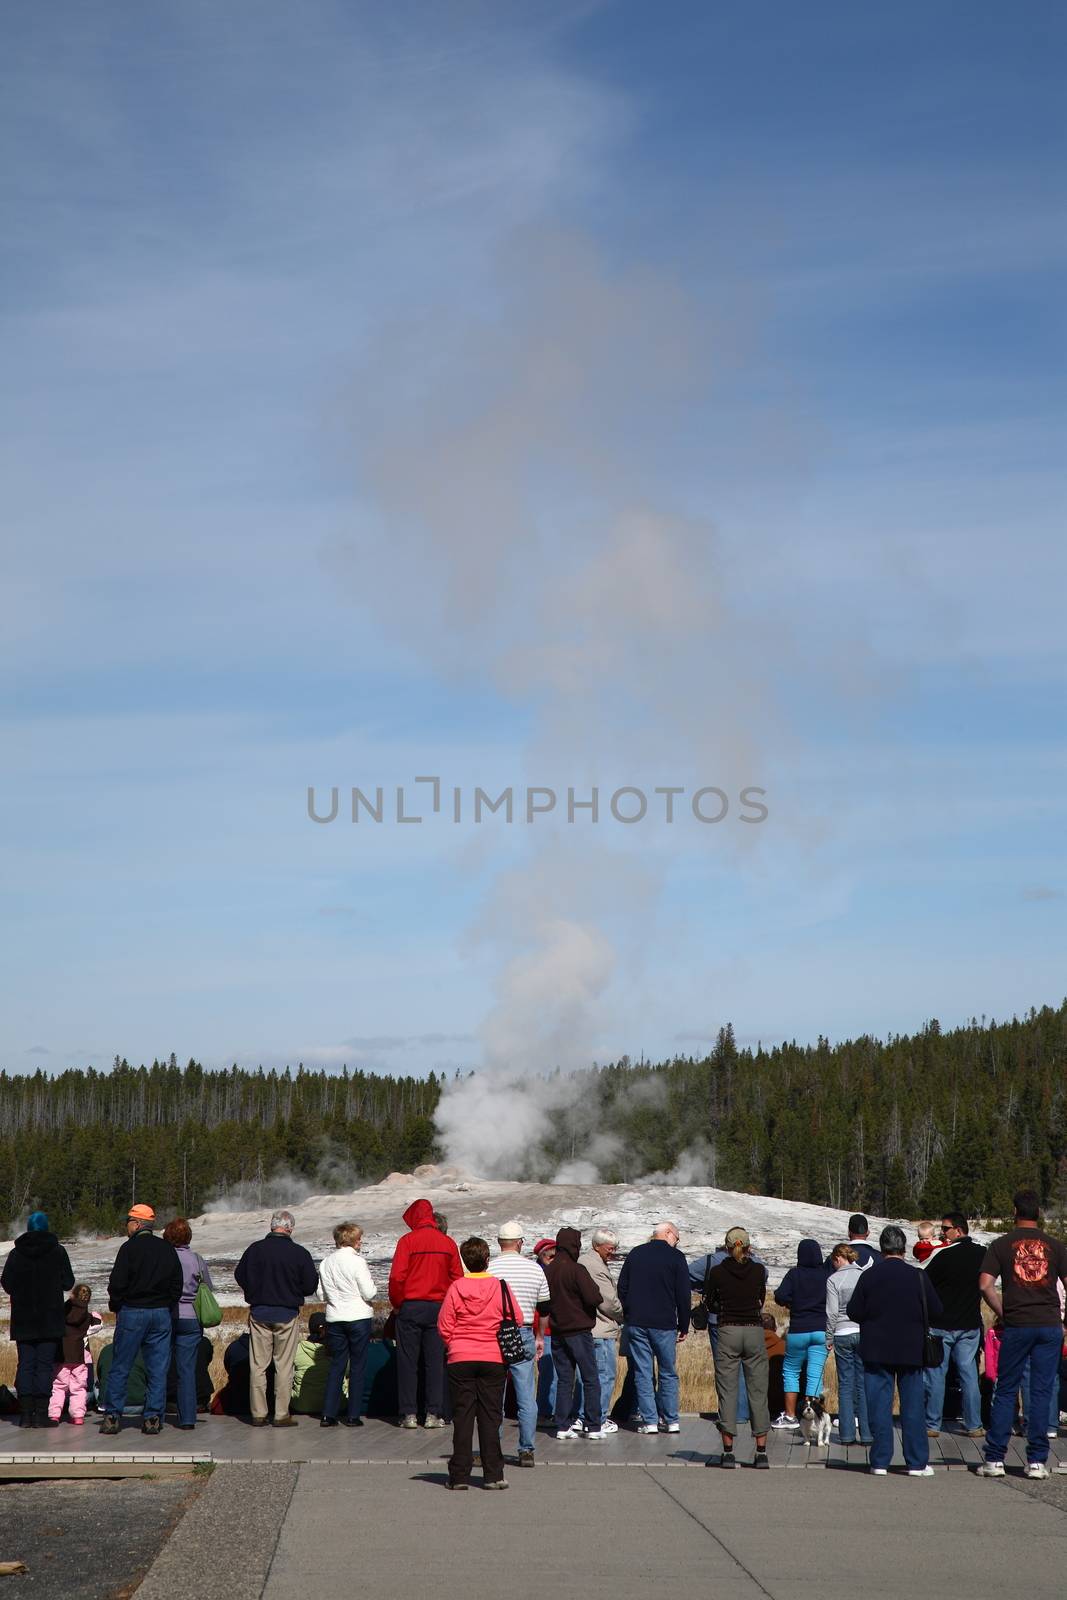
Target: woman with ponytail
[(737, 1288)]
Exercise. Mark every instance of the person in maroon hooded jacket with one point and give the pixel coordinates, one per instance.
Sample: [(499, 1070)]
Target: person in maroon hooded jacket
[(425, 1263)]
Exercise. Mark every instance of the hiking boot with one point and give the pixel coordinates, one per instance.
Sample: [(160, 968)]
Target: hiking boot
[(991, 1469), (727, 1459), (152, 1425), (526, 1458), (761, 1460), (409, 1421), (1037, 1469), (111, 1424), (433, 1421), (26, 1409)]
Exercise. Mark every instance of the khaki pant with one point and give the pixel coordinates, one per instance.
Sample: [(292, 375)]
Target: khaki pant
[(277, 1342), (742, 1347)]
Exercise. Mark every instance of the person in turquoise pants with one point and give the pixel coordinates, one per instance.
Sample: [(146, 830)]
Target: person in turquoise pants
[(803, 1290)]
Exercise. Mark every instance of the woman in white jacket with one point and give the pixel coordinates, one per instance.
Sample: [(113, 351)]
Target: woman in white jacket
[(346, 1286), (843, 1338)]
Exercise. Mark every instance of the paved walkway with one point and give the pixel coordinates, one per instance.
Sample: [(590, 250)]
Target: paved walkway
[(231, 1440), (271, 1533)]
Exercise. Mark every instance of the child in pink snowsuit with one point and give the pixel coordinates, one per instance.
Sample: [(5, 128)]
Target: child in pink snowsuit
[(71, 1379)]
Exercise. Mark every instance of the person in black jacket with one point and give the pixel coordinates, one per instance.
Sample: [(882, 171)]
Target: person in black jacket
[(656, 1301), (144, 1287), (954, 1272), (37, 1275), (276, 1275), (887, 1302)]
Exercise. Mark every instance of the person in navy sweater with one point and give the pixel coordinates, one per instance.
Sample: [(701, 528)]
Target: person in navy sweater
[(656, 1301), (887, 1302)]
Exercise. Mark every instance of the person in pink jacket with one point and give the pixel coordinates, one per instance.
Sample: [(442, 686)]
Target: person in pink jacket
[(470, 1316), (70, 1384)]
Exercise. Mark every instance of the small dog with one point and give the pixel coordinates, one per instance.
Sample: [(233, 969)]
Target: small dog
[(815, 1422)]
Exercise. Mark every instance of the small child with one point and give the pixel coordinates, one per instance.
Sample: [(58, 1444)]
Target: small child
[(71, 1379), (925, 1244)]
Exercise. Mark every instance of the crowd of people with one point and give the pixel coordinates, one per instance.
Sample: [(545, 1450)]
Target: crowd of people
[(466, 1323)]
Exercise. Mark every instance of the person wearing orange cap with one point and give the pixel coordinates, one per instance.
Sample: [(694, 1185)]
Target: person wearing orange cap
[(144, 1288)]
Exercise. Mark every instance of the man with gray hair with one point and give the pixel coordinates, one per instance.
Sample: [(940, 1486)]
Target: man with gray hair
[(277, 1275), (602, 1247), (656, 1300), (529, 1289)]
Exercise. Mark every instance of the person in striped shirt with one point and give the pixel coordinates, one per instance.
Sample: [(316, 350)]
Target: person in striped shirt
[(529, 1289)]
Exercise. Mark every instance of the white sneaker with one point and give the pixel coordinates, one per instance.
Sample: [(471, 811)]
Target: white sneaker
[(878, 1472), (670, 1427), (920, 1472), (433, 1421), (593, 1434), (1054, 1433), (1037, 1469), (607, 1426), (784, 1421), (648, 1427), (991, 1469), (410, 1421), (569, 1433)]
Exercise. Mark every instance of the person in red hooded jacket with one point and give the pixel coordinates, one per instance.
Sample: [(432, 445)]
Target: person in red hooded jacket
[(425, 1262)]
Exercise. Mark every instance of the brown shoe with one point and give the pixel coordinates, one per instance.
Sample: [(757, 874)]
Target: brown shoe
[(286, 1422), (975, 1433), (260, 1422), (933, 1433)]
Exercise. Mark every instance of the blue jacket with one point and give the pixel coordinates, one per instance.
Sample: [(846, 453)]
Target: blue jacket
[(277, 1272), (654, 1287), (887, 1304), (803, 1290)]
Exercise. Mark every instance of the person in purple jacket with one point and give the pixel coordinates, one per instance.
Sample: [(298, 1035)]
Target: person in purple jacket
[(187, 1329)]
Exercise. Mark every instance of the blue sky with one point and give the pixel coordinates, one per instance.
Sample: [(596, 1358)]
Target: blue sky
[(566, 394)]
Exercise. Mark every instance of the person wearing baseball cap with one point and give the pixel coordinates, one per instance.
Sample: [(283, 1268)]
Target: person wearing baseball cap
[(529, 1289), (144, 1289), (738, 1286)]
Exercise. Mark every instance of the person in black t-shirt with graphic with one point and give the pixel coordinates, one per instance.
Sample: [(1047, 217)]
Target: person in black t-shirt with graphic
[(1029, 1264), (954, 1271)]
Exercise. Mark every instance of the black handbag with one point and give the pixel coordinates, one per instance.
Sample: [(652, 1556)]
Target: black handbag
[(933, 1344), (509, 1334)]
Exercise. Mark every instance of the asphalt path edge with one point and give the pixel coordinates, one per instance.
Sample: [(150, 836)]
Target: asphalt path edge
[(226, 1541)]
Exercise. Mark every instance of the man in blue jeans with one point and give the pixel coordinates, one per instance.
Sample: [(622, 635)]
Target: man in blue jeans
[(656, 1299), (1030, 1265), (144, 1288), (529, 1290), (573, 1302), (954, 1271)]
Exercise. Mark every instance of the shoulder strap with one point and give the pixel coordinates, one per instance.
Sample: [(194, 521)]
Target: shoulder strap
[(506, 1301), (922, 1296)]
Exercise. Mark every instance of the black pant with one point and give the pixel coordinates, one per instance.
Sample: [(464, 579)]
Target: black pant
[(416, 1332), (37, 1363), (477, 1391), (570, 1350)]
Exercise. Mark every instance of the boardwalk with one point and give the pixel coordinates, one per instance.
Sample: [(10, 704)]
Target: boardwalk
[(380, 1443)]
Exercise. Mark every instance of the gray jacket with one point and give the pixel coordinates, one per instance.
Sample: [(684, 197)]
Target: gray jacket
[(839, 1287), (609, 1311)]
